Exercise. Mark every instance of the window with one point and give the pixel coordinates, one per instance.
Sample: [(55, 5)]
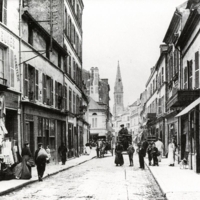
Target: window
[(44, 88), (162, 75), (52, 134), (70, 63), (197, 69), (65, 64), (70, 100), (176, 61), (60, 97), (186, 77), (47, 90), (94, 122), (74, 70), (64, 97), (77, 104), (74, 102), (65, 22), (3, 11), (30, 82), (30, 34), (2, 62), (190, 73)]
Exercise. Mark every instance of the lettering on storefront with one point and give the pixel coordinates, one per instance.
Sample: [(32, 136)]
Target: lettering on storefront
[(6, 38), (17, 69)]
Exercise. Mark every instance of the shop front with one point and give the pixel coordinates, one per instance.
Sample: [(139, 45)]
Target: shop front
[(45, 126), (189, 135)]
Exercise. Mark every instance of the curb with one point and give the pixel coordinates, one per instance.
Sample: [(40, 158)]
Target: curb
[(163, 193), (46, 176)]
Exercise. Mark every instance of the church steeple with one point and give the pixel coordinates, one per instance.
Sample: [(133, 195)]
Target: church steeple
[(118, 94), (118, 81)]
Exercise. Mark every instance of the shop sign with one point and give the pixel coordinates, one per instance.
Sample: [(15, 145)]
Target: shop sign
[(7, 38), (17, 69)]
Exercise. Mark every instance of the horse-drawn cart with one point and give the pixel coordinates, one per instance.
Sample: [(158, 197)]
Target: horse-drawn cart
[(104, 146)]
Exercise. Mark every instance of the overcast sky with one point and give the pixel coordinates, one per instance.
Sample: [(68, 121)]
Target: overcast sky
[(129, 31)]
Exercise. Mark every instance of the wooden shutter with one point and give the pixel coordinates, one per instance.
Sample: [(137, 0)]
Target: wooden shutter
[(56, 94), (36, 84), (5, 12), (197, 69), (64, 98), (66, 24), (12, 69), (44, 88), (190, 71), (51, 95), (74, 67), (185, 77), (1, 11), (70, 100), (65, 64), (26, 80)]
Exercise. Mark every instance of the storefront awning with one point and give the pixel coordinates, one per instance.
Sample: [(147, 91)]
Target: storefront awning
[(189, 108)]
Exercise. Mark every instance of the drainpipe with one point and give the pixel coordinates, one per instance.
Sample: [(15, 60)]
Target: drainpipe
[(19, 116)]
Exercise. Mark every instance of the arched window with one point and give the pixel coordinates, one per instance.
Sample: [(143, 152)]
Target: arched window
[(94, 113)]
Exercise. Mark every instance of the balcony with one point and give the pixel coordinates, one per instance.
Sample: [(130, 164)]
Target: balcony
[(182, 98), (3, 84)]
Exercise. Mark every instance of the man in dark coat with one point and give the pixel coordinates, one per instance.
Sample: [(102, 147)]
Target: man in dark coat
[(145, 144), (40, 160), (123, 131), (141, 152), (62, 150), (119, 160)]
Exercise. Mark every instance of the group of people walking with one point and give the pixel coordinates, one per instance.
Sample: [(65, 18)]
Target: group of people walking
[(154, 150), (23, 170)]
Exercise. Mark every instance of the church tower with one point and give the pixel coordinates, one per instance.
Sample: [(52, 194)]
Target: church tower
[(118, 94)]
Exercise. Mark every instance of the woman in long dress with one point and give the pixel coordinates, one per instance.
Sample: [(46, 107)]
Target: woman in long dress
[(171, 150), (119, 160), (26, 155)]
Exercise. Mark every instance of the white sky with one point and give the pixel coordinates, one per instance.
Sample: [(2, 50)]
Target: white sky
[(130, 31)]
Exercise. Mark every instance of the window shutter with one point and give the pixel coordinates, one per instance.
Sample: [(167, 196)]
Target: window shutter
[(12, 69), (5, 12), (44, 88), (1, 11), (26, 80), (65, 64), (185, 77), (190, 74), (56, 94), (36, 84), (66, 24), (51, 98), (197, 69)]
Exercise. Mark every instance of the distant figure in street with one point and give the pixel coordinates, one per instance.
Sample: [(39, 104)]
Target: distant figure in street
[(145, 145), (160, 147), (62, 150), (171, 151), (154, 153), (123, 131), (26, 155), (99, 146), (87, 148), (141, 154), (40, 160), (119, 160), (48, 153), (130, 152), (149, 149)]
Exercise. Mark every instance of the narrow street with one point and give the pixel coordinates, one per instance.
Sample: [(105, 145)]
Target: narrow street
[(97, 179)]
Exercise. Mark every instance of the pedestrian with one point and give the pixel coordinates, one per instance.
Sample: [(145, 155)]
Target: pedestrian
[(130, 152), (149, 149), (141, 154), (98, 147), (119, 160), (62, 151), (145, 145), (49, 154), (123, 131), (154, 153), (171, 151), (87, 148), (40, 160), (25, 167), (160, 147)]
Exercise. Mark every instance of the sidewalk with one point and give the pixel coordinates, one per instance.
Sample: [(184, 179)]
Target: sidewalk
[(176, 183), (11, 185)]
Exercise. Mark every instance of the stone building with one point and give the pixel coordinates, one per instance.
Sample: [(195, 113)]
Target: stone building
[(42, 95), (99, 107)]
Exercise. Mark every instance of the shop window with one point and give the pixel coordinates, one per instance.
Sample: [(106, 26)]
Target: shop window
[(30, 33), (3, 11), (30, 82)]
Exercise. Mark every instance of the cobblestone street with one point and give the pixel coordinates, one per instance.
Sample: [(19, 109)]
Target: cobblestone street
[(97, 179)]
